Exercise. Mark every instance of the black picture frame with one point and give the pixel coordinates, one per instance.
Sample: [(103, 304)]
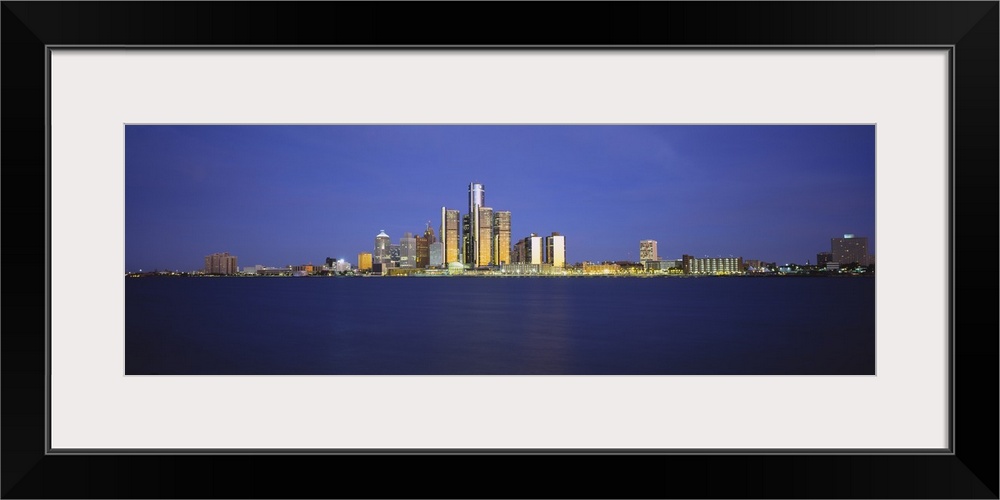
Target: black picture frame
[(969, 28)]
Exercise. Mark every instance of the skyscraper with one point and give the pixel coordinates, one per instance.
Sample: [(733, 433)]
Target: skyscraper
[(501, 237), (429, 233), (450, 232), (484, 238), (850, 249), (408, 251), (381, 254), (533, 252), (423, 250), (477, 199), (647, 250), (364, 261), (555, 250), (466, 246)]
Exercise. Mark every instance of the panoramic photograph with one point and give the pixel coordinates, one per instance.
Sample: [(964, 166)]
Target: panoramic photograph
[(500, 250)]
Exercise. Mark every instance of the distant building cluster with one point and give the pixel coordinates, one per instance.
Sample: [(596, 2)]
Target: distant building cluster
[(480, 239), (479, 242)]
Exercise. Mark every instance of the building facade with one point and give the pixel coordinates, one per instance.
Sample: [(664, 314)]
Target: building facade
[(555, 250), (436, 254), (221, 263), (364, 261), (501, 237), (712, 265), (647, 250), (423, 251), (451, 221), (484, 239), (850, 249), (408, 251), (382, 244), (472, 222)]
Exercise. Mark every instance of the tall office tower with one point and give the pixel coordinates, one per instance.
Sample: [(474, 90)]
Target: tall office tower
[(394, 258), (467, 256), (429, 234), (436, 254), (555, 250), (220, 263), (501, 237), (477, 199), (451, 234), (484, 239), (534, 251), (849, 249), (647, 250), (364, 261), (381, 248), (407, 251), (518, 253), (423, 250)]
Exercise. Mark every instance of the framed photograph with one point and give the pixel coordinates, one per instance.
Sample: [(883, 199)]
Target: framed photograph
[(725, 251)]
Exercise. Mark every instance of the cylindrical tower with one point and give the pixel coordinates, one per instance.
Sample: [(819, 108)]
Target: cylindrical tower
[(381, 248), (477, 199)]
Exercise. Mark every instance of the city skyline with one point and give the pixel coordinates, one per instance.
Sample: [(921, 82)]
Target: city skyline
[(287, 195)]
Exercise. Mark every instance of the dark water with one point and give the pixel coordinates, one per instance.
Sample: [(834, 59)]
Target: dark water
[(471, 326)]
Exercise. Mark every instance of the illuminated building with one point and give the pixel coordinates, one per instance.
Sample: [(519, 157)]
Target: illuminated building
[(484, 240), (501, 237), (450, 235), (423, 251), (850, 249), (408, 251), (436, 254), (221, 263), (712, 265), (364, 261), (471, 226), (382, 244), (555, 250), (647, 250)]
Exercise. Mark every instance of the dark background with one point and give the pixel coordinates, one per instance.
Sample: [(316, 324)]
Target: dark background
[(971, 472)]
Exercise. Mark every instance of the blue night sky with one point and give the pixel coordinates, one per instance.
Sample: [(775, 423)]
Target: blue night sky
[(282, 194)]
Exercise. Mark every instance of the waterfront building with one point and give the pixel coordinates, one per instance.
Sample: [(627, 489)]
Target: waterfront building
[(472, 222), (712, 265), (484, 240), (467, 240), (501, 238), (535, 250), (647, 250), (429, 233), (518, 253), (555, 250), (221, 263), (520, 268), (364, 261), (423, 251), (394, 256), (662, 265), (436, 254), (408, 251), (303, 270), (451, 235), (602, 268), (382, 244), (850, 249)]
